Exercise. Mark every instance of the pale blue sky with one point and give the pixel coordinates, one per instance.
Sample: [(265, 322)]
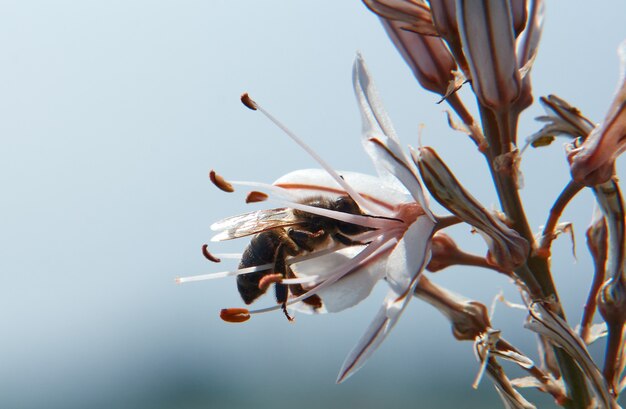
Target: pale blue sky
[(112, 114)]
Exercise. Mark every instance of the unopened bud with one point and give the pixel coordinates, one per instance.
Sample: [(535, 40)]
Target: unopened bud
[(486, 30), (444, 18), (414, 15), (507, 249), (593, 162), (429, 59)]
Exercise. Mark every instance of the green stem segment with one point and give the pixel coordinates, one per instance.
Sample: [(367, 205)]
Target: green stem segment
[(500, 131)]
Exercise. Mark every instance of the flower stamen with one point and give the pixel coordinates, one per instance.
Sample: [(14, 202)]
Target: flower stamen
[(363, 204), (207, 254), (222, 274), (268, 280), (235, 315), (220, 182), (256, 196)]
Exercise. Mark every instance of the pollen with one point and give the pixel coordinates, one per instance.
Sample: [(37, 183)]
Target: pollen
[(248, 102), (268, 280), (255, 196), (220, 182), (235, 315)]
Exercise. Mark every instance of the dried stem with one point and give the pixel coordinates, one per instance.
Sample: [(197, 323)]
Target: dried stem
[(548, 234)]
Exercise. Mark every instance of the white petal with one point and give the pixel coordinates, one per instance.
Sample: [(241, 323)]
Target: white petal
[(376, 333), (410, 255), (375, 118), (350, 289), (310, 182), (376, 124)]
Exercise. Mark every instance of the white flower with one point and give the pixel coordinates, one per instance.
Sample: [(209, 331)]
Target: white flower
[(392, 241)]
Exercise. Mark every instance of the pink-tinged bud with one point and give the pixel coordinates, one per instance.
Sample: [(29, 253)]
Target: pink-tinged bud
[(444, 18), (429, 58), (593, 162), (507, 249), (486, 30), (527, 45), (414, 14)]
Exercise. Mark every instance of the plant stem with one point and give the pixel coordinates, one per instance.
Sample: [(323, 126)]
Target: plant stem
[(499, 130)]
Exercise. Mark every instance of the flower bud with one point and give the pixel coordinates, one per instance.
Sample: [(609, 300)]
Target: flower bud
[(486, 30), (527, 45), (444, 18), (415, 15), (593, 162), (429, 59), (507, 249)]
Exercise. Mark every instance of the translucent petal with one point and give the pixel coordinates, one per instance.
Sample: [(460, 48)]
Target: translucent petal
[(375, 334), (350, 289), (310, 182), (410, 255)]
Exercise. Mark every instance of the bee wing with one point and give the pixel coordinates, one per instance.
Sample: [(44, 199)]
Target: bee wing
[(252, 223)]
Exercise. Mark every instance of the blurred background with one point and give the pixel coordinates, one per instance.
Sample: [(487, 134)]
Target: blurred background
[(113, 112)]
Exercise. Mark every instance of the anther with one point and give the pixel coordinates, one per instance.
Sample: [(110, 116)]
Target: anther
[(254, 197), (268, 280), (248, 102), (235, 315), (220, 182), (207, 254)]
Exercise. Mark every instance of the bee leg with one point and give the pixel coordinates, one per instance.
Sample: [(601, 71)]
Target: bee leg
[(296, 289), (282, 290), (305, 239), (348, 241)]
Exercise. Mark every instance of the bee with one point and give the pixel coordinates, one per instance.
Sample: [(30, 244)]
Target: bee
[(284, 233)]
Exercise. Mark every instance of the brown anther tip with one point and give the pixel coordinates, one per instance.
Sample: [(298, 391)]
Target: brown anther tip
[(220, 182), (254, 197), (268, 280), (235, 315), (207, 254), (248, 102)]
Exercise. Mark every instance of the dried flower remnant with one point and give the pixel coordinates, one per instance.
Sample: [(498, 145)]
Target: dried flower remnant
[(594, 161), (336, 234), (544, 322)]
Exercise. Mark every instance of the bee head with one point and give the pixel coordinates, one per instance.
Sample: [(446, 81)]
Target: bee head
[(346, 204)]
